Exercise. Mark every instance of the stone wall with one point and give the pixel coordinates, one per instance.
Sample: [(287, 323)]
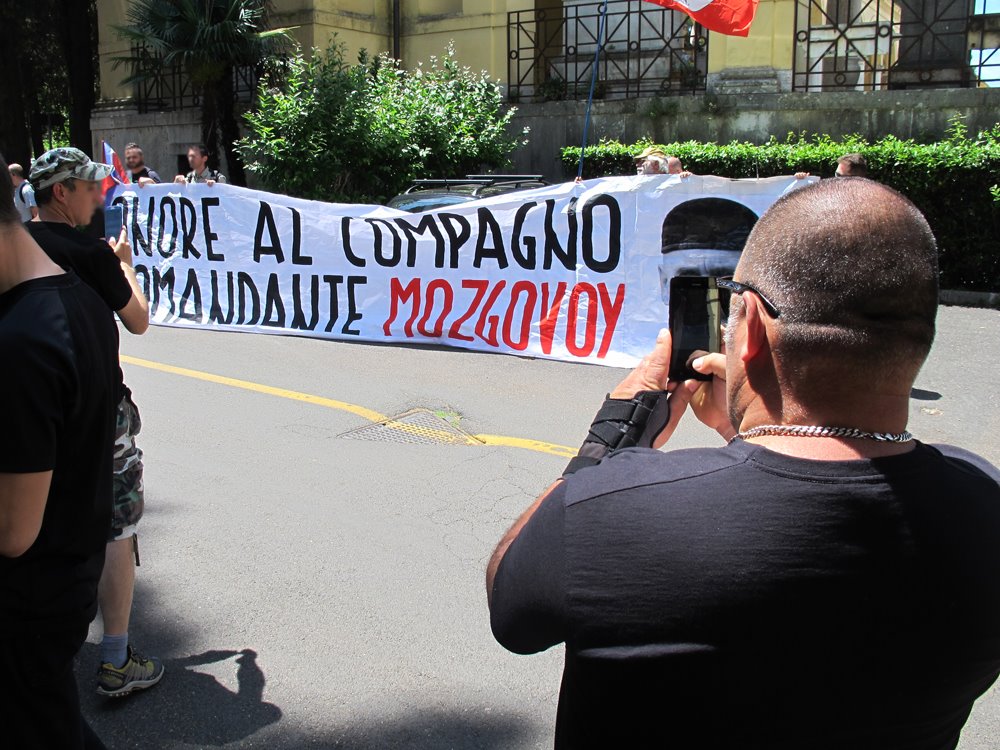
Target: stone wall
[(921, 115), (163, 136)]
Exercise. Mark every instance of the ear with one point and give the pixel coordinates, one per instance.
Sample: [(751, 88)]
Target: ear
[(756, 339)]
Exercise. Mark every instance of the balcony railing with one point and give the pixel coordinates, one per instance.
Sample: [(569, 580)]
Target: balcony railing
[(163, 88), (647, 51), (870, 45)]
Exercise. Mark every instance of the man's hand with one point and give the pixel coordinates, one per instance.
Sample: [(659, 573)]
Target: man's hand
[(709, 400), (123, 248), (143, 181), (652, 375), (180, 179)]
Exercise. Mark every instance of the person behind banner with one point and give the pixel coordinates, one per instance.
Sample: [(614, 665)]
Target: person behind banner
[(640, 158), (67, 187), (136, 163), (59, 349), (200, 171), (824, 580)]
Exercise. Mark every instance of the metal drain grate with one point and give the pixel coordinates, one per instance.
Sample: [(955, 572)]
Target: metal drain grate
[(421, 426)]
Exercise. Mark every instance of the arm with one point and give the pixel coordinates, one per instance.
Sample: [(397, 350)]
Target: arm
[(22, 506), (649, 375), (135, 315), (508, 539)]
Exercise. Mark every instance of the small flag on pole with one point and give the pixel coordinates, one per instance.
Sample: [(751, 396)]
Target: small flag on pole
[(119, 175), (731, 17)]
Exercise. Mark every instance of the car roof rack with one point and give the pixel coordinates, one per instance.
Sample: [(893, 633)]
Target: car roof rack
[(481, 181)]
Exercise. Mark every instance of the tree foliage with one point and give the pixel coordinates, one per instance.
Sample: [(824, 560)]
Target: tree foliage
[(360, 133), (207, 40), (951, 181), (48, 63)]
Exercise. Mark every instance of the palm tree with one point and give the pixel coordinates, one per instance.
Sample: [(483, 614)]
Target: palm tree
[(209, 40)]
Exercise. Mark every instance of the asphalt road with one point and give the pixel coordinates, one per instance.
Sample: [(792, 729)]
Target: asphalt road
[(307, 587)]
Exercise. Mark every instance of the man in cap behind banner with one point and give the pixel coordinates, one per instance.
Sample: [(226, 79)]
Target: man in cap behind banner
[(67, 188)]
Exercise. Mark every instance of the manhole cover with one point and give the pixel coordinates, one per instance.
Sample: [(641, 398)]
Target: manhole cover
[(414, 426)]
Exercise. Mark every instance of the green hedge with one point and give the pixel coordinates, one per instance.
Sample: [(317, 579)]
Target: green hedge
[(952, 181)]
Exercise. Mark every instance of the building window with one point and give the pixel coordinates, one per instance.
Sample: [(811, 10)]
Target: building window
[(647, 51), (870, 45)]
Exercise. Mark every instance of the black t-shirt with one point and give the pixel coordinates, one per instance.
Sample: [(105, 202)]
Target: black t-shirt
[(740, 598), (92, 260), (59, 347), (145, 172)]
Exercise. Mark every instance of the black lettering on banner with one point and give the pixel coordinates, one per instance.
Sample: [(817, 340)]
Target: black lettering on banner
[(528, 258), (246, 289), (297, 257), (352, 305), (265, 220), (553, 249), (298, 317), (139, 240), (142, 275), (333, 282), (459, 230), (189, 225), (614, 234), (345, 236), (165, 202), (497, 252), (397, 243), (274, 308), (192, 294), (210, 236), (164, 281), (215, 311), (427, 223)]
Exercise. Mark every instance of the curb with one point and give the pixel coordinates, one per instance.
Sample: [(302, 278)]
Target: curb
[(970, 299)]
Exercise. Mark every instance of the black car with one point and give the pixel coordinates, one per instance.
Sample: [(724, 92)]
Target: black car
[(426, 195)]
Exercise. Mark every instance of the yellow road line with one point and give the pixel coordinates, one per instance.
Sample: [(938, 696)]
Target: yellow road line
[(369, 414)]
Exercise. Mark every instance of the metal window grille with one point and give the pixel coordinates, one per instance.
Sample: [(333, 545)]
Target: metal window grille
[(648, 51), (870, 45), (164, 88)]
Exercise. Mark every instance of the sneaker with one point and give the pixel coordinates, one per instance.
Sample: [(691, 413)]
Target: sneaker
[(137, 673)]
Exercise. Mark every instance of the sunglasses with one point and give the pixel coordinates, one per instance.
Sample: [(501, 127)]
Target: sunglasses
[(736, 287)]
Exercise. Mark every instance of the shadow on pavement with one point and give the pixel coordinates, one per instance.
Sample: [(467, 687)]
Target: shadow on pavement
[(922, 395), (188, 707)]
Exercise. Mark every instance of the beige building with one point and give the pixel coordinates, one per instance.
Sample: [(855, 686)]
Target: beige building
[(543, 50)]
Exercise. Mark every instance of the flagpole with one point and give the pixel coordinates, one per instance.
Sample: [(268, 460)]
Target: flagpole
[(603, 13)]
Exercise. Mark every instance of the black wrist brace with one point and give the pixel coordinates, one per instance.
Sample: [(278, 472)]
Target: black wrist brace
[(623, 423)]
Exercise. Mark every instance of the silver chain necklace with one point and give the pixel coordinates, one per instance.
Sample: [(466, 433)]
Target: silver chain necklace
[(796, 430)]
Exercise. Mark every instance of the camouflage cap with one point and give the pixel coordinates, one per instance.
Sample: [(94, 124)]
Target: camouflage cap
[(61, 164)]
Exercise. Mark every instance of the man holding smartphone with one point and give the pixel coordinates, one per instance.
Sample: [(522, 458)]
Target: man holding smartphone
[(822, 581), (67, 188)]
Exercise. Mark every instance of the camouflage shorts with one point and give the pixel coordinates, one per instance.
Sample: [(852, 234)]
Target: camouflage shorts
[(128, 497)]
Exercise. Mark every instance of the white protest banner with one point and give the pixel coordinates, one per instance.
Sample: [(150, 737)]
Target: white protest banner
[(576, 272)]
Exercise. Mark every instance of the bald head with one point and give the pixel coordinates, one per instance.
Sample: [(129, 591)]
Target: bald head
[(852, 266)]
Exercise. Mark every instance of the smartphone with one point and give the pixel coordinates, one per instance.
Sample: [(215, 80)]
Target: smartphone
[(113, 221), (696, 312)]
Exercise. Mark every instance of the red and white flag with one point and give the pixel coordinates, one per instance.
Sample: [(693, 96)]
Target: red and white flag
[(118, 172), (731, 17)]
